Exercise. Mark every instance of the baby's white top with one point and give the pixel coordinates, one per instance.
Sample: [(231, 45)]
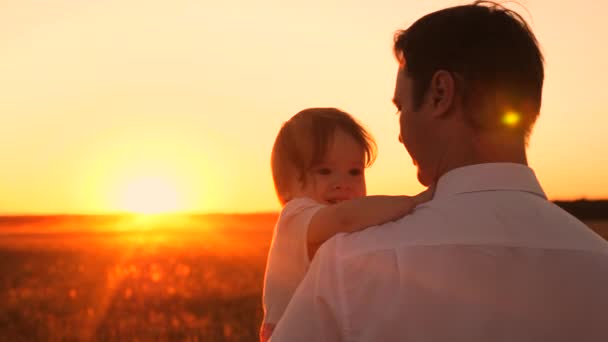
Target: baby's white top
[(288, 258)]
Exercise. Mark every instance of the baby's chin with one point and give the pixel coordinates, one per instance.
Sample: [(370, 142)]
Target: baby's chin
[(336, 200)]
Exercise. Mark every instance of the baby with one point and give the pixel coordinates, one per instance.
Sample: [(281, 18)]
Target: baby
[(318, 167)]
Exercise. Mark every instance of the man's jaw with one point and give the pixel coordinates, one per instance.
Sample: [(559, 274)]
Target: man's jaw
[(423, 178)]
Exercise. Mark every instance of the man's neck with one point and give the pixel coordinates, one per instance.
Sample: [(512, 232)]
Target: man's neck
[(501, 147), (484, 148)]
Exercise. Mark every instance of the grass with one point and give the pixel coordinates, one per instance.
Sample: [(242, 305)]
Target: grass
[(184, 285), (600, 227)]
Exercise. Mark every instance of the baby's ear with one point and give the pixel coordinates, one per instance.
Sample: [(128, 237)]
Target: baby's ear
[(285, 196), (294, 190)]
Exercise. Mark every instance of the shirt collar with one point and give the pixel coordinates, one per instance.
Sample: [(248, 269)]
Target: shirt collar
[(489, 177)]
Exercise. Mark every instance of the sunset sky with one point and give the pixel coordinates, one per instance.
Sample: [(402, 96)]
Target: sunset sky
[(126, 105)]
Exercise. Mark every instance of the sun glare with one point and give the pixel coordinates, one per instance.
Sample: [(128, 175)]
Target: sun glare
[(150, 195), (511, 119)]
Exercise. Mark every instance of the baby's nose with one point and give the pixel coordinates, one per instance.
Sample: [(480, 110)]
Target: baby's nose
[(340, 183)]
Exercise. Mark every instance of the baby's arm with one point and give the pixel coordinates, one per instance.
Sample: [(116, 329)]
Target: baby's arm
[(359, 213), (266, 331)]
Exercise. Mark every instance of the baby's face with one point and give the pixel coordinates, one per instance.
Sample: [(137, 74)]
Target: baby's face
[(341, 175)]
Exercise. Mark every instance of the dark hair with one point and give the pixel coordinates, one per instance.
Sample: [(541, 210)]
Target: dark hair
[(491, 52), (302, 143)]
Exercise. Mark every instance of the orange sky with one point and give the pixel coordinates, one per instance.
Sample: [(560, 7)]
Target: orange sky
[(99, 99)]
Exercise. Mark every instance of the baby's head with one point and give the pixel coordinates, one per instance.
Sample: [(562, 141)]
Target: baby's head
[(321, 153)]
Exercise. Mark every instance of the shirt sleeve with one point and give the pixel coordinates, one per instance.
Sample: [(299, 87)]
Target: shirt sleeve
[(317, 309), (288, 257), (292, 230)]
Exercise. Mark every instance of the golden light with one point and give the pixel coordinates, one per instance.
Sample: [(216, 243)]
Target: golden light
[(136, 172), (150, 195), (511, 119)]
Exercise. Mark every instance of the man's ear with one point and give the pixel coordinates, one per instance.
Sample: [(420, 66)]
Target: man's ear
[(442, 92)]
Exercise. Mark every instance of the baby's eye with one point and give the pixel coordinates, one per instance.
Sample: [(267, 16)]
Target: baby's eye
[(324, 171), (355, 172)]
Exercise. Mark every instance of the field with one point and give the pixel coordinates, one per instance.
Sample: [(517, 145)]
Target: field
[(600, 227), (136, 279), (199, 280)]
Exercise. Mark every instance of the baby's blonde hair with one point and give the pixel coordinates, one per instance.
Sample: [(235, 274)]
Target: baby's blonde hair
[(303, 140)]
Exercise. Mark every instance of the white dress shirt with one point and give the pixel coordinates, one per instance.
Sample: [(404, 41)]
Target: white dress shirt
[(488, 259)]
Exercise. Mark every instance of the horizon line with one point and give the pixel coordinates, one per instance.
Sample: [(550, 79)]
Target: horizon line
[(202, 213)]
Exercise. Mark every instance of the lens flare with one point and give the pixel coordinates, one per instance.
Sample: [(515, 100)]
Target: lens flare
[(511, 119)]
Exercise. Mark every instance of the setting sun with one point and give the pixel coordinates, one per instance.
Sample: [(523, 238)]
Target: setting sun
[(136, 172), (150, 195)]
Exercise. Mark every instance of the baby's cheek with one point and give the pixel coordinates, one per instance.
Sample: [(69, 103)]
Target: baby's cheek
[(360, 193), (363, 190)]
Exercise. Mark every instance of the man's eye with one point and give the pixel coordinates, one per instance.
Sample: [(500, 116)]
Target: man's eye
[(323, 171), (355, 172)]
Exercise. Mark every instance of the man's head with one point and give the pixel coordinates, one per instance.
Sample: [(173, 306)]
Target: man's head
[(324, 146), (476, 68)]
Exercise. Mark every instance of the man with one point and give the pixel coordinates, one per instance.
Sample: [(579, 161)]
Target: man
[(489, 258)]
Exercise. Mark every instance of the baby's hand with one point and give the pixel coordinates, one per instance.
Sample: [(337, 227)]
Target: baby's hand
[(424, 196)]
